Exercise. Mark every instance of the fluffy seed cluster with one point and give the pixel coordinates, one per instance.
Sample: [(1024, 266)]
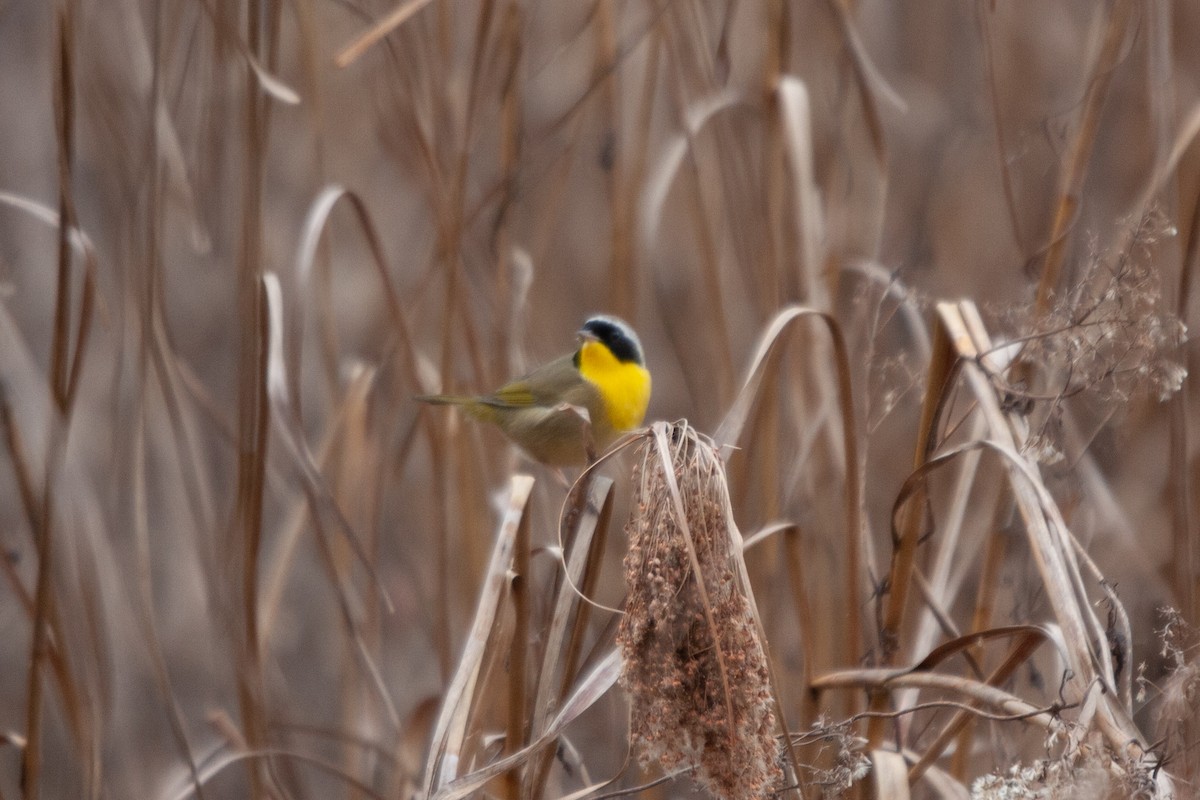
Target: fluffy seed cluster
[(697, 677), (1112, 333)]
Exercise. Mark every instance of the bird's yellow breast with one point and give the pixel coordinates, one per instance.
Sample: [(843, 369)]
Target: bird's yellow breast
[(624, 385)]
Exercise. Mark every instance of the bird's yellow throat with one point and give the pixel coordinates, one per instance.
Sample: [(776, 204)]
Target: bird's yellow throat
[(624, 385)]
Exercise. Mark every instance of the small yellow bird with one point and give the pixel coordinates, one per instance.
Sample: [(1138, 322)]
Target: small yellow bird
[(607, 376)]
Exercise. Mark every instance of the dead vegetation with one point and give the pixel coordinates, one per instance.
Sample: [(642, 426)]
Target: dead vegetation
[(917, 278)]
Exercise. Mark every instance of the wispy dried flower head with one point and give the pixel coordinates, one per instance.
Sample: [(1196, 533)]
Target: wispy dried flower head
[(1179, 701), (695, 668), (1110, 335)]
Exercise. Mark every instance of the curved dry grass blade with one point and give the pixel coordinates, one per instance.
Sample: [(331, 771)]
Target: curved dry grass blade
[(908, 532), (320, 498), (619, 446), (942, 583), (976, 691), (1049, 556), (1052, 546), (906, 301), (1021, 653), (871, 83), (730, 431), (1063, 585), (964, 644), (449, 735), (293, 436), (218, 763), (359, 387), (1043, 522), (597, 683), (313, 230), (662, 177)]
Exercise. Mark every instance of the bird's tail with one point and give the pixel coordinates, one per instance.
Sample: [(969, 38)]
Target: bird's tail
[(445, 399), (470, 405)]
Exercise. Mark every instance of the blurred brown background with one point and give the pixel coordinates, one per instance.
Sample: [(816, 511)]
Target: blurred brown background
[(522, 164)]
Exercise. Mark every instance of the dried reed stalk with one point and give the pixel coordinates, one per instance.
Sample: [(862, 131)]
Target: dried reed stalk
[(695, 666)]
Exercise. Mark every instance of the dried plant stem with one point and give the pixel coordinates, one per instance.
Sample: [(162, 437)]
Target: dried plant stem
[(378, 31), (446, 752), (985, 599), (44, 598), (516, 733), (1186, 577), (793, 543), (1020, 654), (253, 424), (511, 137), (941, 370), (983, 19), (772, 255), (560, 659), (1075, 164), (64, 116), (620, 194), (734, 422)]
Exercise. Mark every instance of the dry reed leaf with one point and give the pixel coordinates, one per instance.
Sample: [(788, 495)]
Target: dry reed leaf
[(77, 241), (323, 504), (594, 685), (1059, 560), (270, 84), (315, 225), (562, 647), (278, 564), (890, 775), (288, 426), (695, 667), (977, 692), (796, 111), (662, 177), (732, 425), (448, 743)]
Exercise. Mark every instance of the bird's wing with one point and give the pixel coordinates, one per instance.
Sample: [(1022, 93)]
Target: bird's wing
[(548, 385), (513, 395)]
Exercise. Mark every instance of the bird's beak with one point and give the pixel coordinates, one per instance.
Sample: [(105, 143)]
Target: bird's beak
[(587, 336)]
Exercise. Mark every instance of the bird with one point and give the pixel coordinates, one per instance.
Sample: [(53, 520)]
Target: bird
[(540, 412)]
